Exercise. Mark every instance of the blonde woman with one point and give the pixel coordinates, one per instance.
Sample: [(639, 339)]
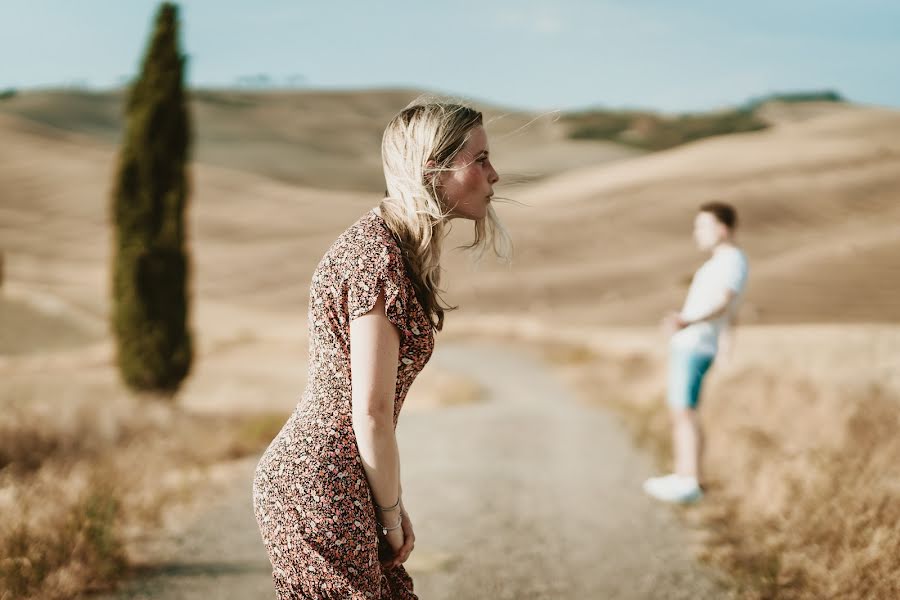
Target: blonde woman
[(327, 491)]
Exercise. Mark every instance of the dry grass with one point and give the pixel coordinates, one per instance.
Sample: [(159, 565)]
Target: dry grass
[(802, 465), (60, 532), (807, 474), (86, 468)]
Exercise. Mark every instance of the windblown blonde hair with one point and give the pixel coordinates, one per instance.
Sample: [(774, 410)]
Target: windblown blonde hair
[(428, 131)]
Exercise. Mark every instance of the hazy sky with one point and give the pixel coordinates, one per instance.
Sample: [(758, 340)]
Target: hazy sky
[(664, 54)]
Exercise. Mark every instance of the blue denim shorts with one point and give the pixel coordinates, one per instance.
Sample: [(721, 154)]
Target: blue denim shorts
[(686, 372)]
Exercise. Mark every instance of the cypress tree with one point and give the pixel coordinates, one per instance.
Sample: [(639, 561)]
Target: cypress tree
[(151, 267)]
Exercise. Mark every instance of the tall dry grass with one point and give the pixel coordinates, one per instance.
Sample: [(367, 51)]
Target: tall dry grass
[(803, 461), (86, 469)]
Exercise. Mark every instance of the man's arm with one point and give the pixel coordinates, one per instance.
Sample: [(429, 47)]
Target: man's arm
[(720, 308), (726, 343)]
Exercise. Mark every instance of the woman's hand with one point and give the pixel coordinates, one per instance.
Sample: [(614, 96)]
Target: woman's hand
[(401, 541), (394, 538)]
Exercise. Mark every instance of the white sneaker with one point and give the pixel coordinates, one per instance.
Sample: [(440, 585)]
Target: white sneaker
[(654, 481), (653, 484), (674, 488)]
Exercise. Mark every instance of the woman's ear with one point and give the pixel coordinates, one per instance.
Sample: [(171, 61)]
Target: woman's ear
[(430, 171)]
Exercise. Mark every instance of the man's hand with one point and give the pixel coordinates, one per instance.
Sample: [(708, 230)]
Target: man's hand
[(672, 323)]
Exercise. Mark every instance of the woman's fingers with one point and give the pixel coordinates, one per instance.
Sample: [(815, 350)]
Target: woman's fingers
[(401, 542), (402, 554), (409, 536)]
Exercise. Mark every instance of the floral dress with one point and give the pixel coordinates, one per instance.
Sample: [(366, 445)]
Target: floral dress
[(310, 493)]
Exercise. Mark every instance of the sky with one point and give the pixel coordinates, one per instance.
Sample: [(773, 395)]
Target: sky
[(666, 55)]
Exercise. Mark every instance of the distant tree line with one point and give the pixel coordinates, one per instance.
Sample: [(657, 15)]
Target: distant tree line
[(653, 131)]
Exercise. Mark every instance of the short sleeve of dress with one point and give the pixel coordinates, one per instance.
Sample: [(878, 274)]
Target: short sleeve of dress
[(379, 268)]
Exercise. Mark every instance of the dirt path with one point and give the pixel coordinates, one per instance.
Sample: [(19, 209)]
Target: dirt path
[(528, 494)]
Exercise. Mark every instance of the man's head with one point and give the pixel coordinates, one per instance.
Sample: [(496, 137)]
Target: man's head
[(715, 223)]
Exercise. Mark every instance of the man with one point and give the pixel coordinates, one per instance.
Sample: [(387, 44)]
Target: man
[(698, 333)]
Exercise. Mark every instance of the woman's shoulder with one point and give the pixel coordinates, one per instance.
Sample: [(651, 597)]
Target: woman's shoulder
[(369, 234), (366, 243)]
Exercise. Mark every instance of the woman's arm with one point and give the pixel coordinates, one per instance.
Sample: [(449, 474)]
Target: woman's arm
[(374, 355)]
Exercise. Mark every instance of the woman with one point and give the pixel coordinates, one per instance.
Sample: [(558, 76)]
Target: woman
[(327, 491)]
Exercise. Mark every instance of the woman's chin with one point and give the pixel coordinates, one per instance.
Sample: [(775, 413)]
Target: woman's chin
[(469, 215)]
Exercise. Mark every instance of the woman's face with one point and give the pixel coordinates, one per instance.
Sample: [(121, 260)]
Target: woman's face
[(466, 188)]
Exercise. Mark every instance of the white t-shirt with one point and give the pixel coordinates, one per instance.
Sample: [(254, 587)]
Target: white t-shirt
[(727, 269)]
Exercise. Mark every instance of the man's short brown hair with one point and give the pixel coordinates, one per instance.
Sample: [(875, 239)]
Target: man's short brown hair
[(724, 213)]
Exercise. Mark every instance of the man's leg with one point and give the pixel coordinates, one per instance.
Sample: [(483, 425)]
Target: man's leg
[(688, 443), (689, 439), (686, 372)]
